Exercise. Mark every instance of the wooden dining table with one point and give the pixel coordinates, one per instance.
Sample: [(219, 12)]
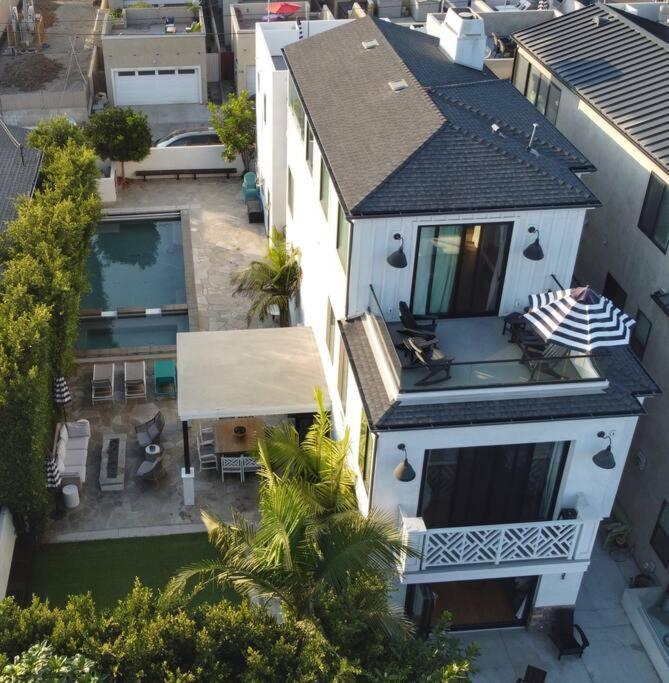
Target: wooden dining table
[(226, 442)]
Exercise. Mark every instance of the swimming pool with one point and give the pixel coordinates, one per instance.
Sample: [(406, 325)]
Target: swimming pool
[(136, 262)]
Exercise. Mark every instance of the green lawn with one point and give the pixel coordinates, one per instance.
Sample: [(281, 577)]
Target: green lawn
[(108, 568)]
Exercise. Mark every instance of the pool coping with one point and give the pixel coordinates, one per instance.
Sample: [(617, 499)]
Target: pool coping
[(154, 351)]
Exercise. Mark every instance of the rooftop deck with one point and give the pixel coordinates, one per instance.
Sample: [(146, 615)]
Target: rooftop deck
[(154, 28)]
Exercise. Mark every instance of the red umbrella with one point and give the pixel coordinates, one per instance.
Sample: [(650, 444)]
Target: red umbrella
[(283, 8)]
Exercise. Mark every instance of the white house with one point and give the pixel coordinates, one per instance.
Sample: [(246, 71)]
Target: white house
[(404, 145)]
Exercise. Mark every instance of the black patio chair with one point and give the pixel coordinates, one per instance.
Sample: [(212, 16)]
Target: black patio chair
[(563, 634), (533, 675), (544, 358), (428, 325), (149, 432), (430, 357)]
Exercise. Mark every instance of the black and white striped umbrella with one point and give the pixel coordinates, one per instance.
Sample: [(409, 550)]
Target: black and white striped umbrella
[(53, 478), (579, 318), (61, 392)]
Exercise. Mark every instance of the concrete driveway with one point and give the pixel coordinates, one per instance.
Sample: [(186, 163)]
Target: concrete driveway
[(166, 118)]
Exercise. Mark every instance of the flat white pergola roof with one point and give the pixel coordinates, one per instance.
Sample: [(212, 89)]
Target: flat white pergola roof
[(234, 373)]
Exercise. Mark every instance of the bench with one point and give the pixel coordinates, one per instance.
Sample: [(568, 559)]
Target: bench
[(178, 172)]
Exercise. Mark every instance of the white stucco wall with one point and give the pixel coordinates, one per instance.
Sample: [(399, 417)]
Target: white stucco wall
[(7, 540)]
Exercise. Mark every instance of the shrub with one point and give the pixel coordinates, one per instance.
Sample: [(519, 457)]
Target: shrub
[(39, 664)]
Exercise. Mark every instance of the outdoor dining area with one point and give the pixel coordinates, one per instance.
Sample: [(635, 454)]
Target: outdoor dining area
[(233, 384)]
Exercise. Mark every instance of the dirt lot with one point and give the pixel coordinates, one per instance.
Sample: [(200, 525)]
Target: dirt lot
[(66, 20)]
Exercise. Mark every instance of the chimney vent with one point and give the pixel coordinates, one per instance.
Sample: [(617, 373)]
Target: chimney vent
[(370, 44), (396, 86), (463, 38), (599, 20)]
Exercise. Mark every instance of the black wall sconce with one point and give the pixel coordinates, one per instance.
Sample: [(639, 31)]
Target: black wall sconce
[(404, 471), (604, 458), (398, 258), (533, 251)]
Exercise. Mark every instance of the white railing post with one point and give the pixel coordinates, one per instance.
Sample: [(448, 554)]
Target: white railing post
[(413, 535), (588, 530)]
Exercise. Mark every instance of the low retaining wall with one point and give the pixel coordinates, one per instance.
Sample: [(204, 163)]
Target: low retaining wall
[(7, 540), (181, 158)]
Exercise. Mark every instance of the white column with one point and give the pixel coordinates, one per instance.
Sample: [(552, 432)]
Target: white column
[(188, 480), (413, 534)]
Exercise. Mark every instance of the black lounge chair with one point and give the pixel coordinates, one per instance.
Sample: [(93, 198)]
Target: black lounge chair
[(430, 357), (563, 634), (533, 675), (543, 357), (149, 432), (429, 325)]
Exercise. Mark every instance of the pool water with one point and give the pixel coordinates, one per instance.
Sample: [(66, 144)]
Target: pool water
[(136, 262), (108, 333)]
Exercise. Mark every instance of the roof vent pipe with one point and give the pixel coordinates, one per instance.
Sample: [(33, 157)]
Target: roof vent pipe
[(534, 130)]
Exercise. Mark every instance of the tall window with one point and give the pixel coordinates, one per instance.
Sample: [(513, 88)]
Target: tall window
[(660, 537), (310, 149), (640, 334), (366, 453), (342, 377), (343, 238), (612, 290), (291, 191), (296, 106), (539, 90), (654, 219), (460, 269), (324, 190), (330, 331)]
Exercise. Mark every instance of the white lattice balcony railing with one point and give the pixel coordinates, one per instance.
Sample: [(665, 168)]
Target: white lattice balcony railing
[(569, 539)]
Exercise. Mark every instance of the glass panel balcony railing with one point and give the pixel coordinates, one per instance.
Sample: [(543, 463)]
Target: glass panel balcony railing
[(473, 353)]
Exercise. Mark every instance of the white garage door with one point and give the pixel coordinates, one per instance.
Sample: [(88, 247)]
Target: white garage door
[(156, 86)]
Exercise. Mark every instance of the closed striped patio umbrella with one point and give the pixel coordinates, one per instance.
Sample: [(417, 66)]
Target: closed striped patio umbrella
[(61, 393), (579, 319), (53, 479)]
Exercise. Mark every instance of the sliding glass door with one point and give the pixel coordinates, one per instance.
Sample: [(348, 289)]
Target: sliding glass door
[(459, 269), (491, 484)]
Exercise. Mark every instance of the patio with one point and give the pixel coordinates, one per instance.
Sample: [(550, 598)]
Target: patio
[(615, 654), (142, 508)]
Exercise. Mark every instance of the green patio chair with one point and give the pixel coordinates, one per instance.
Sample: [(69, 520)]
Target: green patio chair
[(165, 378)]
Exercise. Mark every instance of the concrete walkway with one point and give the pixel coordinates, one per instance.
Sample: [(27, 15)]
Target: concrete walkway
[(222, 240), (615, 654)]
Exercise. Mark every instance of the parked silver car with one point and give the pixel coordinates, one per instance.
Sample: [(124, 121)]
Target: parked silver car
[(189, 137)]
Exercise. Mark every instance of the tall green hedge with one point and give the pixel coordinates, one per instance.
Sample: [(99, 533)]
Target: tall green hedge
[(43, 276)]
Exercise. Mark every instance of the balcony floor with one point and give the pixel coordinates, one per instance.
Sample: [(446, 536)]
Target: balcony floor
[(473, 343)]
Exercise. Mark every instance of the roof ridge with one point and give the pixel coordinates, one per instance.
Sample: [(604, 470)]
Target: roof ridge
[(508, 126)]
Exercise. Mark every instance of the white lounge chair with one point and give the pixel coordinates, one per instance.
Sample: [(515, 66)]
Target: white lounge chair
[(206, 454), (134, 379), (102, 386)]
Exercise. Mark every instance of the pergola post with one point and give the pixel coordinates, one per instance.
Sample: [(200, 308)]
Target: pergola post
[(187, 474)]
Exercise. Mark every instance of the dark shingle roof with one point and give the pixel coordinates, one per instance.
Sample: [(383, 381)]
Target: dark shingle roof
[(429, 147), (15, 177), (615, 65), (626, 376)]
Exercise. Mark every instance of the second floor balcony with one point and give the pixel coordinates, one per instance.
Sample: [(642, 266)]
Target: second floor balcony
[(472, 353)]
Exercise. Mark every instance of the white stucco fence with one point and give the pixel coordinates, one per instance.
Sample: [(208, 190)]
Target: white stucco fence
[(181, 158), (7, 540)]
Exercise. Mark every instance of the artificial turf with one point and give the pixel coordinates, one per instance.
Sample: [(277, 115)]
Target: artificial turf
[(108, 568)]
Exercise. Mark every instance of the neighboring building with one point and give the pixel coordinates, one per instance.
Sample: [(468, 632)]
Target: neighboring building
[(396, 136), (271, 108), (19, 168), (146, 64), (608, 72)]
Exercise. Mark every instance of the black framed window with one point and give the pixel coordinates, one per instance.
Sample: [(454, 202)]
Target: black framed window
[(659, 539), (640, 334), (324, 188), (366, 453), (291, 191), (654, 218), (661, 298), (330, 331), (521, 68), (614, 292), (310, 148), (343, 238), (538, 89), (553, 103), (342, 376), (296, 106)]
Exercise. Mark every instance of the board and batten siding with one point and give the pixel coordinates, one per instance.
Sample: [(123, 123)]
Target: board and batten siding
[(373, 242)]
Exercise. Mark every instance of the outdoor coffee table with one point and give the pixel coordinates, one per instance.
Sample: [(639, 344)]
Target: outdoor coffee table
[(112, 464)]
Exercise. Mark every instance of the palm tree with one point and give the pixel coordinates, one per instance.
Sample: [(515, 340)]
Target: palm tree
[(311, 539), (274, 281)]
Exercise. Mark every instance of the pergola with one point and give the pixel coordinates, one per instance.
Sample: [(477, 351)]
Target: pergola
[(238, 373)]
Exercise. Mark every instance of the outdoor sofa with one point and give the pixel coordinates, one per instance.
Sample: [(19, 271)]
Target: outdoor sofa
[(70, 447)]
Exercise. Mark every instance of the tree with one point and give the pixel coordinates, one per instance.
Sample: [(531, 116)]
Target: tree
[(272, 282), (311, 539), (235, 125), (55, 133), (39, 664), (120, 134)]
